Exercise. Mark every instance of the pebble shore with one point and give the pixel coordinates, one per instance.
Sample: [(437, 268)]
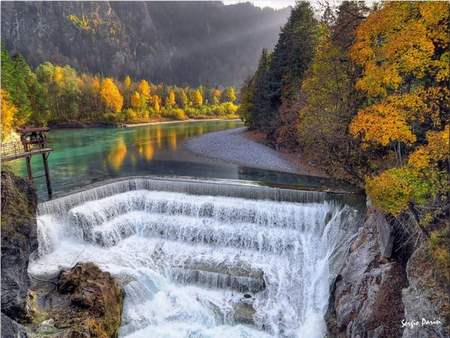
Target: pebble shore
[(232, 146)]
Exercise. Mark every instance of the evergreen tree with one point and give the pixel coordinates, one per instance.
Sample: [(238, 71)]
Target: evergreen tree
[(292, 55)]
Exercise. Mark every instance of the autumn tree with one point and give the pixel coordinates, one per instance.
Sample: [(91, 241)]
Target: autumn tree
[(144, 88), (170, 100), (111, 96), (406, 73), (156, 103), (8, 112), (127, 92), (217, 94), (328, 99), (404, 51), (136, 102), (197, 99), (90, 96), (229, 94), (183, 99)]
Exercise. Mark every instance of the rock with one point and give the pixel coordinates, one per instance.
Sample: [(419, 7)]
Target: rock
[(385, 235), (11, 328), (92, 302), (19, 240), (367, 297), (244, 312), (426, 302)]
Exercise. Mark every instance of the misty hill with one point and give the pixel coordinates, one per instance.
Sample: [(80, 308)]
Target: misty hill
[(181, 43)]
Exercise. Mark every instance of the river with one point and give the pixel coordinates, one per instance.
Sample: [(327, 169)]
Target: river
[(82, 157), (85, 156)]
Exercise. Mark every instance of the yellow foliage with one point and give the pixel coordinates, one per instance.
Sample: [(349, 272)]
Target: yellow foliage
[(118, 154), (171, 100), (398, 41), (156, 101), (127, 82), (393, 190), (197, 100), (111, 96), (136, 100), (217, 94), (8, 111), (96, 85), (58, 75), (144, 88)]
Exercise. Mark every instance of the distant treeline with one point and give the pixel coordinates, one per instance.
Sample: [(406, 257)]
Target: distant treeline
[(364, 94), (60, 94)]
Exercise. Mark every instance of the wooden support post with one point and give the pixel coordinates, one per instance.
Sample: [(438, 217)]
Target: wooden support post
[(47, 173), (30, 173)]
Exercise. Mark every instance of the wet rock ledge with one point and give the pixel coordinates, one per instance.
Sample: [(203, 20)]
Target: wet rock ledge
[(386, 288), (82, 302)]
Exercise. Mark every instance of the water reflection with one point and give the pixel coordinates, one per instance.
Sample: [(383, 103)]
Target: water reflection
[(83, 156), (117, 154)]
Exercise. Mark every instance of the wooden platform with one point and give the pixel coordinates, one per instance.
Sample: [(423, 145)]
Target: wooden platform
[(33, 141)]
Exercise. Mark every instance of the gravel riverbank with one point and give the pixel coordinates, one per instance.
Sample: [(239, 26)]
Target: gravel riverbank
[(232, 146)]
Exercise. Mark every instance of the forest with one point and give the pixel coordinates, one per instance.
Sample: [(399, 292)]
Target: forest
[(363, 93), (60, 94)]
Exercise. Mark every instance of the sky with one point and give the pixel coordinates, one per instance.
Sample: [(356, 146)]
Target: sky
[(264, 3)]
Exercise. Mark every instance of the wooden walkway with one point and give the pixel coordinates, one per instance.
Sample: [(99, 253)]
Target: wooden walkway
[(14, 150), (22, 154), (33, 142)]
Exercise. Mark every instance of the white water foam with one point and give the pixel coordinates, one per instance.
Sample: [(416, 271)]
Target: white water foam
[(194, 265)]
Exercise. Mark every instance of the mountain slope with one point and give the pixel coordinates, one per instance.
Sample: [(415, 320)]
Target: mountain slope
[(182, 43)]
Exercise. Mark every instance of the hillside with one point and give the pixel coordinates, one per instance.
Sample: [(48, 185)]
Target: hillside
[(179, 43)]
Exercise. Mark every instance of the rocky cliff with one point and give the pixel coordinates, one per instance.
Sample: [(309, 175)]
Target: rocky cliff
[(19, 240), (384, 290), (181, 43), (81, 302)]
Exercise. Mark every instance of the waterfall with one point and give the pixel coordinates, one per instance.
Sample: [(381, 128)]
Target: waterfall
[(205, 258)]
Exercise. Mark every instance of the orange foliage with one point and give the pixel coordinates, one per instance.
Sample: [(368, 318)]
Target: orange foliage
[(8, 112), (400, 40), (389, 120), (435, 151)]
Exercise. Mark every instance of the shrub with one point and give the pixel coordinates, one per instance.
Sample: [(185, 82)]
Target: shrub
[(129, 115), (440, 251)]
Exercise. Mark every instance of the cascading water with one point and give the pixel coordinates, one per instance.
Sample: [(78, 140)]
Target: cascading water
[(205, 259)]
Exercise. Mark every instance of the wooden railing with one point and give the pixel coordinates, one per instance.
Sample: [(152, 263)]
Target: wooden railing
[(13, 150)]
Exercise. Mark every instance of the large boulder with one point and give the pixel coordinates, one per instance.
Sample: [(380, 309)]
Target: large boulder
[(90, 302), (19, 240)]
